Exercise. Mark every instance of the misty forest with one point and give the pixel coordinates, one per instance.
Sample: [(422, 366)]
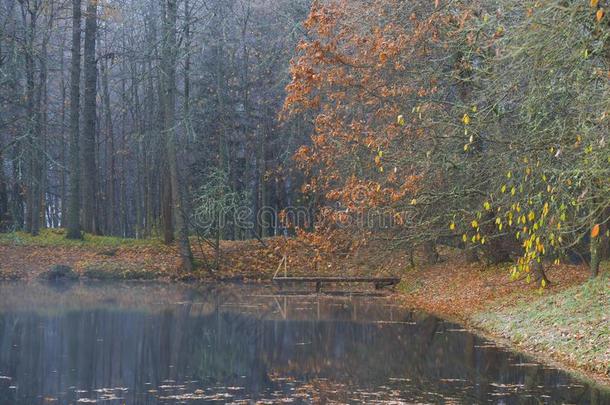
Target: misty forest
[(363, 176)]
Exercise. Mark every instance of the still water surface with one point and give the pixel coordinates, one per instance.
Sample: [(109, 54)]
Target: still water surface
[(122, 343)]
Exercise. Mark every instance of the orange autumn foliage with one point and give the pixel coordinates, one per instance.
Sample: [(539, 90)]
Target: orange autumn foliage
[(358, 70)]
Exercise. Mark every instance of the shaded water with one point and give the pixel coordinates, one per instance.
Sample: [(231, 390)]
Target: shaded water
[(125, 343)]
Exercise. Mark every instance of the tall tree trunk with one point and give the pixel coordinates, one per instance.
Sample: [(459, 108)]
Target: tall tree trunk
[(166, 204), (110, 189), (63, 159), (88, 158), (263, 213), (123, 214), (169, 67), (29, 22), (74, 228), (17, 213), (3, 195), (34, 95), (41, 143), (187, 58)]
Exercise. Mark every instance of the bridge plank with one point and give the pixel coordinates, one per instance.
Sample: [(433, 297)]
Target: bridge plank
[(379, 282), (338, 279)]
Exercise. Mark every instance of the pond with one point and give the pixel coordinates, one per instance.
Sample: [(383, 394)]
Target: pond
[(149, 343)]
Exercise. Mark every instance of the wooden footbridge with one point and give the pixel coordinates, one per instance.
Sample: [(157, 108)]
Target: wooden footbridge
[(378, 282)]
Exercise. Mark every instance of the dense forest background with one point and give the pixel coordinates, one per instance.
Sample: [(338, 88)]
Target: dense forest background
[(476, 124), (229, 65)]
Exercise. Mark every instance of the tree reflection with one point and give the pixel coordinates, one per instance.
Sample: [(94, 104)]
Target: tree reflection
[(244, 345)]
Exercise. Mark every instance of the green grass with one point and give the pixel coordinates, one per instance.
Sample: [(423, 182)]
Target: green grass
[(57, 237), (113, 271), (574, 324)]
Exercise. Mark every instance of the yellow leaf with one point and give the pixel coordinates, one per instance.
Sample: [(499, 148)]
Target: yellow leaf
[(452, 226), (466, 119), (464, 237), (414, 201), (594, 3), (400, 120), (599, 15), (487, 205), (474, 224)]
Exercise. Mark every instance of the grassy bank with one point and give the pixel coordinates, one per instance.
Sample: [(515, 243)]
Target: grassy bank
[(568, 323), (571, 325)]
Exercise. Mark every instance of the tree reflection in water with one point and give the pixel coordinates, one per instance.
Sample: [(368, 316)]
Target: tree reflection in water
[(164, 344)]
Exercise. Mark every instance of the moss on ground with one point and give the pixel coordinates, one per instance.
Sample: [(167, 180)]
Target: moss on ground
[(573, 324)]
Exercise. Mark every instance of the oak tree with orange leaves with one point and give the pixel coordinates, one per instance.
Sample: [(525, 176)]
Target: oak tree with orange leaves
[(385, 80)]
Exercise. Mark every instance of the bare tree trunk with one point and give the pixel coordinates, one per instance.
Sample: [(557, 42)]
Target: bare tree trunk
[(63, 172), (166, 204), (430, 253), (88, 158), (123, 217), (110, 169), (41, 135), (169, 62), (36, 92), (74, 228), (29, 22), (3, 195)]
